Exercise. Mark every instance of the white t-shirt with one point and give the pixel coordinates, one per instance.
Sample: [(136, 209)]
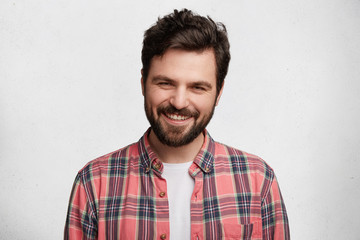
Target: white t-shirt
[(180, 186)]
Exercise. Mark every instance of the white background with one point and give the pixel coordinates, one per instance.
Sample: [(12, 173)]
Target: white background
[(70, 92)]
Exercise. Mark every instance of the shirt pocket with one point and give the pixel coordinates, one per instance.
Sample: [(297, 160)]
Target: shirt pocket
[(250, 231)]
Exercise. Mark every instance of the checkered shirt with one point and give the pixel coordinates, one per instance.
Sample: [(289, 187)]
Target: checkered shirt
[(122, 196)]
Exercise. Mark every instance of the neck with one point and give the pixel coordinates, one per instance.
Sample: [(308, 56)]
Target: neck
[(181, 154)]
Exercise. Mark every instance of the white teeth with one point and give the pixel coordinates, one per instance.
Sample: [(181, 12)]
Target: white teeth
[(176, 117)]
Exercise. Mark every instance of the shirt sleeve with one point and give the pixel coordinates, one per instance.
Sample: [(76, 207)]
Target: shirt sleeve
[(274, 217), (81, 220)]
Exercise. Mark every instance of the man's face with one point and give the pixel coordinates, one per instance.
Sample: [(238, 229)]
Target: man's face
[(180, 95)]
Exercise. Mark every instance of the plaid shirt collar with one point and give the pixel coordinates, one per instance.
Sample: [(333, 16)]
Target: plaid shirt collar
[(204, 160)]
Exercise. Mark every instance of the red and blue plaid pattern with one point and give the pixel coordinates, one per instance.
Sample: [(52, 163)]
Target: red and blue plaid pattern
[(123, 196)]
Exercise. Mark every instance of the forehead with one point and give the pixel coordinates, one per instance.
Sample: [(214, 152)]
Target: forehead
[(181, 65)]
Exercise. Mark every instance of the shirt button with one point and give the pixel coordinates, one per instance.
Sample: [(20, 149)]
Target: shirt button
[(162, 194), (163, 236)]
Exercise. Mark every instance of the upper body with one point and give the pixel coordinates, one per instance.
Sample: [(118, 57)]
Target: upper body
[(232, 194), (122, 195)]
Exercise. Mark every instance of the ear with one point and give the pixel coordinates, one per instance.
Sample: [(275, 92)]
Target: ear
[(219, 95), (142, 84)]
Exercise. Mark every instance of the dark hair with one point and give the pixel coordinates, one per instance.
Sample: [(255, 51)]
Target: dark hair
[(188, 31)]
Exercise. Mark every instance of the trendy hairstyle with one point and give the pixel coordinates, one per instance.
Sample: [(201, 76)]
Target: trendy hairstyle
[(191, 32)]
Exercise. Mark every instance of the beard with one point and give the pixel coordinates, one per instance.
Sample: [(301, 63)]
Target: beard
[(177, 136)]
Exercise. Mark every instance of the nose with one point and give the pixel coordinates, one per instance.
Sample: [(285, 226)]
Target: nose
[(179, 99)]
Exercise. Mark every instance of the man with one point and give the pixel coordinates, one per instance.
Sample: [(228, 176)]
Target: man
[(177, 182)]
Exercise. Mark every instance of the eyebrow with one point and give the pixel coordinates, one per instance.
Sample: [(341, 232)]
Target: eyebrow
[(195, 83), (161, 78)]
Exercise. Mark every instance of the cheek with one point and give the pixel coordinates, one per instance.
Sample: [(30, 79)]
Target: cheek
[(153, 100), (157, 98), (204, 105)]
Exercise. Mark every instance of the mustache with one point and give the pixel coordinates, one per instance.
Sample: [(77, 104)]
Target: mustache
[(169, 109)]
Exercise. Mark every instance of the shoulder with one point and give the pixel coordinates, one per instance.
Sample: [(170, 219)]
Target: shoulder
[(103, 164), (246, 168), (243, 160)]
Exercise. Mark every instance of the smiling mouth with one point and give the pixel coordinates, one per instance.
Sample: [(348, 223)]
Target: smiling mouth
[(177, 117)]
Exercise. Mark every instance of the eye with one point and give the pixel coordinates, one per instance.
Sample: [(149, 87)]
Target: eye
[(164, 83), (199, 88)]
